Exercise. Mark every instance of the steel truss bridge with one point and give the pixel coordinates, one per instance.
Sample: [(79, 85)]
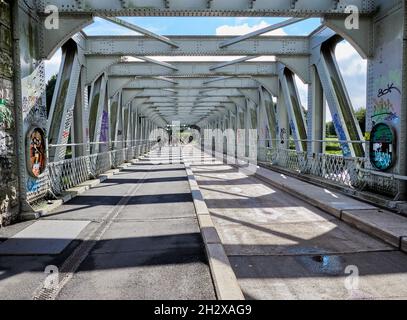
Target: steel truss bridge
[(111, 92)]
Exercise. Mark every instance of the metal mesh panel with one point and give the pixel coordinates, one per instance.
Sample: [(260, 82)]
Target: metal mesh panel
[(42, 185), (344, 171), (69, 173), (383, 185), (66, 174)]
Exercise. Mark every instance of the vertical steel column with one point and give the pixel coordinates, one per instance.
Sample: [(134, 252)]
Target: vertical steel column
[(283, 123), (136, 128), (247, 126), (266, 124), (294, 108), (115, 112), (18, 107), (98, 95), (148, 126), (316, 113), (126, 123), (63, 102), (80, 120), (339, 102), (142, 120), (402, 185)]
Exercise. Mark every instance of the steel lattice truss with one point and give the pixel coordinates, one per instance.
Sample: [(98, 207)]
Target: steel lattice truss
[(112, 91), (119, 74)]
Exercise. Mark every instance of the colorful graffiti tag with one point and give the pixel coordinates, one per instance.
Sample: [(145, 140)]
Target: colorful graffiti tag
[(6, 116), (382, 147), (37, 156), (33, 185), (6, 144), (283, 135), (104, 128), (6, 170), (387, 105), (341, 134), (33, 96), (384, 112)]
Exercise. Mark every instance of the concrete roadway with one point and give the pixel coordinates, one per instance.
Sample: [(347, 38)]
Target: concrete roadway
[(282, 248), (151, 248)]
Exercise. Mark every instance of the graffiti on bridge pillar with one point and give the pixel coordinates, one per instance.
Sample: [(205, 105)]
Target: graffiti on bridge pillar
[(37, 153), (382, 147)]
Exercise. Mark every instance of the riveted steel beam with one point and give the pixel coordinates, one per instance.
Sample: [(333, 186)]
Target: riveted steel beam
[(198, 69), (51, 39), (198, 83), (258, 8), (196, 46), (185, 93), (187, 99)]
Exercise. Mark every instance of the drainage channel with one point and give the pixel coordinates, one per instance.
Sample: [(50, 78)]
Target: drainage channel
[(72, 263)]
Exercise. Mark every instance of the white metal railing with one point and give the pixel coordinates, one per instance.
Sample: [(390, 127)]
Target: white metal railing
[(339, 169), (65, 174), (353, 172)]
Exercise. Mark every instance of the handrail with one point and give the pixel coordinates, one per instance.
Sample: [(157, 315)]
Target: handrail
[(92, 143), (394, 176)]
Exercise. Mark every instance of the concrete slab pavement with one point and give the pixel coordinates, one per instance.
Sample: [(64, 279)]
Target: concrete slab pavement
[(282, 245), (224, 279), (153, 251), (382, 275), (44, 237)]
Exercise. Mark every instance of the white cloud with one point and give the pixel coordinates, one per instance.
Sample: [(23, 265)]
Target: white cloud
[(354, 71), (302, 91), (350, 61), (52, 65), (344, 51), (237, 30)]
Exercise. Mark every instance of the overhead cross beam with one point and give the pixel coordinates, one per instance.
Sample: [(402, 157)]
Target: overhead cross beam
[(258, 8), (191, 69), (196, 46), (184, 93), (193, 83)]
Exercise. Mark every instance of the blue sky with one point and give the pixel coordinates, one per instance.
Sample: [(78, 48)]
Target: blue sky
[(353, 68)]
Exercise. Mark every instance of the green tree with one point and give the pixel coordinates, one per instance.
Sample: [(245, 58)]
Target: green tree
[(50, 91), (361, 117), (330, 129)]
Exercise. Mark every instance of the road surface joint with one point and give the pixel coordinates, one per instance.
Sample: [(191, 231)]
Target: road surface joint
[(224, 278)]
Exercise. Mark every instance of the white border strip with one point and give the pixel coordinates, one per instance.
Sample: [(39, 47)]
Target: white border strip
[(224, 278)]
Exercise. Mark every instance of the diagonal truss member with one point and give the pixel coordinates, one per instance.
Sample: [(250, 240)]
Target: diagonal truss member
[(260, 31), (141, 30)]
